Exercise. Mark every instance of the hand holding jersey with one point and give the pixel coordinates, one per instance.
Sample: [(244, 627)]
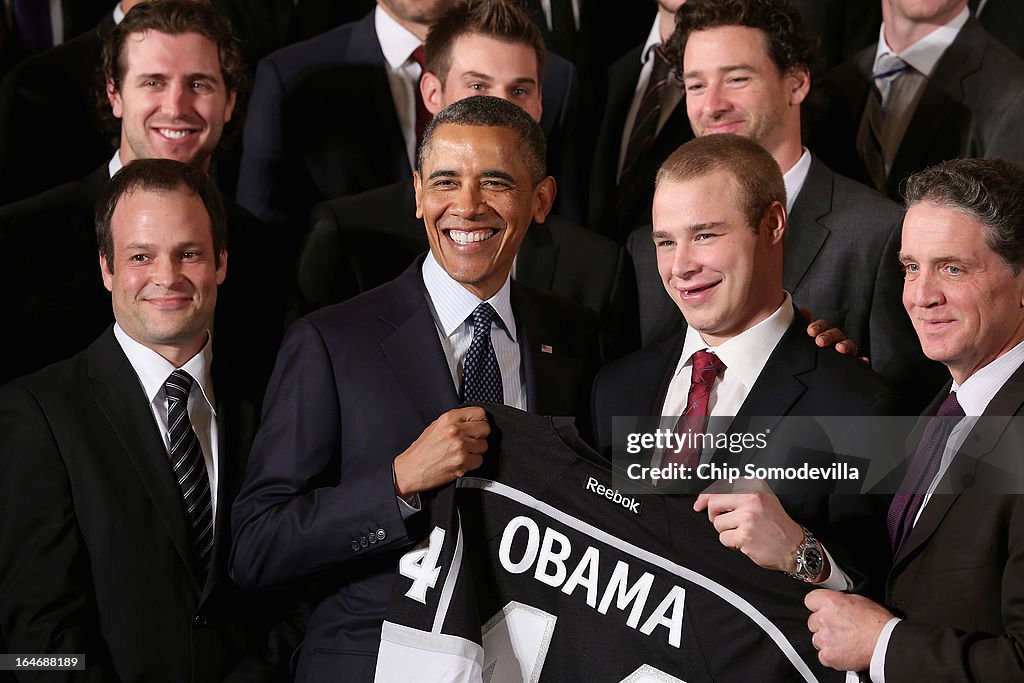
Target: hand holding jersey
[(754, 523), (450, 446)]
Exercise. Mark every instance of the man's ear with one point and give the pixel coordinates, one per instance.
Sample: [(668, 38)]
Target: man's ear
[(222, 266), (432, 90), (799, 82), (774, 223), (114, 97), (417, 184), (543, 199), (105, 272), (229, 108)]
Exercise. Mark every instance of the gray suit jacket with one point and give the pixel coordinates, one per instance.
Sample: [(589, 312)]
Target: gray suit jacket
[(840, 262), (971, 107)]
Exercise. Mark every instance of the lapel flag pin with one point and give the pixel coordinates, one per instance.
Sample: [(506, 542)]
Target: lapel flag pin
[(546, 348)]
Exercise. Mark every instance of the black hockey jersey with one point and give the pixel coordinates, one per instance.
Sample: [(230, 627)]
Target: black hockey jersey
[(535, 568)]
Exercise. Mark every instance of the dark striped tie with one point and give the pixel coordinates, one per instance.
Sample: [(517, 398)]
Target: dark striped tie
[(190, 470), (645, 125)]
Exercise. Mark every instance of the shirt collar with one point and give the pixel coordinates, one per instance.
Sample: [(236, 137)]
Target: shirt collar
[(396, 42), (118, 13), (453, 303), (115, 165), (795, 178), (653, 40), (153, 369), (746, 354), (979, 389), (925, 53)]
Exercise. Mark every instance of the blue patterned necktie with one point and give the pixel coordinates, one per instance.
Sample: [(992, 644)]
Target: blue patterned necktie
[(481, 376), (190, 470)]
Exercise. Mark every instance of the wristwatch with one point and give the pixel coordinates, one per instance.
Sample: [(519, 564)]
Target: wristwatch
[(809, 560)]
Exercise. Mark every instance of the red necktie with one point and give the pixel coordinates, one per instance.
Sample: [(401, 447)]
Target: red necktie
[(694, 419), (422, 115)]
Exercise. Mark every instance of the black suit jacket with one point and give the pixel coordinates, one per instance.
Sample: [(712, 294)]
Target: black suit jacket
[(355, 385), (58, 304), (840, 261), (356, 243), (844, 26), (615, 210), (969, 109), (966, 547), (50, 92), (263, 26), (799, 379), (95, 556), (321, 123), (1004, 19)]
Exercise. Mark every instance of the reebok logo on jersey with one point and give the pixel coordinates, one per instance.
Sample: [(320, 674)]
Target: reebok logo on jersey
[(631, 504)]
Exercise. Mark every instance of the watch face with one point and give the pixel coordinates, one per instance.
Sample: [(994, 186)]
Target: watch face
[(812, 561)]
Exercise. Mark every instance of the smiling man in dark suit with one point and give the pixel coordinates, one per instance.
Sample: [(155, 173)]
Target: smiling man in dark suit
[(118, 466), (719, 222), (358, 242), (747, 68), (954, 599), (361, 415)]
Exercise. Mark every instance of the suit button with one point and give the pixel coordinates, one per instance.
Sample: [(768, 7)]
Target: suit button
[(355, 545), (372, 538), (381, 534), (200, 620), (364, 542)]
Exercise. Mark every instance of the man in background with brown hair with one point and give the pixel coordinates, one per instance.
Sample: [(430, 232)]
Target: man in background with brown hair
[(172, 75)]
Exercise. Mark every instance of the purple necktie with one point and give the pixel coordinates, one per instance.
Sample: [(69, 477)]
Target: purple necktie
[(922, 470)]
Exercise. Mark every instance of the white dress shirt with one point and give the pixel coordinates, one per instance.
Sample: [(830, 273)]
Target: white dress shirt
[(545, 5), (398, 44), (153, 371), (973, 395), (795, 178), (670, 98), (451, 306)]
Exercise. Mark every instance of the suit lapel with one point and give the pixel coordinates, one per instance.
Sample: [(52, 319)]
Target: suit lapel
[(807, 231), (546, 366), (943, 97), (414, 350), (983, 438), (365, 48), (778, 387), (122, 401)]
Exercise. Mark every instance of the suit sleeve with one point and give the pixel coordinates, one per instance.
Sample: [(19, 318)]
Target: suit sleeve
[(48, 602), (311, 500), (919, 651)]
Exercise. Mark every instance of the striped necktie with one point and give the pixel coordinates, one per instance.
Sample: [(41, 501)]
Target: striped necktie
[(190, 470)]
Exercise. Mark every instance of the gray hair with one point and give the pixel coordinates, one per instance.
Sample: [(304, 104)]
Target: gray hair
[(989, 190)]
